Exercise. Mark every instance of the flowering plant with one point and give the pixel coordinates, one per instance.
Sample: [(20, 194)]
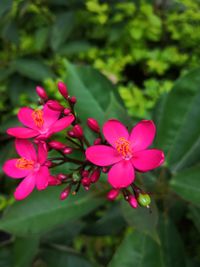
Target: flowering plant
[(125, 153)]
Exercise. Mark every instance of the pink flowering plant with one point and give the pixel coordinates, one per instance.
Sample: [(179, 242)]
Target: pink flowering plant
[(118, 152)]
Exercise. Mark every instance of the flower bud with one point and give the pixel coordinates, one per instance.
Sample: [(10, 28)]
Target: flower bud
[(61, 176), (72, 100), (71, 133), (112, 194), (85, 181), (55, 105), (86, 188), (144, 200), (65, 193), (78, 131), (97, 141), (56, 145), (48, 163), (105, 169), (93, 125), (67, 111), (67, 150), (52, 181), (132, 201), (85, 173), (63, 89), (41, 93), (94, 177)]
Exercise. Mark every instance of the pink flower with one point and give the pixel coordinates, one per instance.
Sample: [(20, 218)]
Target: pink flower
[(29, 165), (128, 152), (40, 122)]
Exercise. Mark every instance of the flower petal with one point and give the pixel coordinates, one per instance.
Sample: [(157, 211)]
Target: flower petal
[(142, 135), (147, 160), (25, 187), (121, 174), (113, 130), (42, 178), (42, 152), (62, 124), (102, 155), (50, 116), (11, 169), (25, 149), (25, 117), (21, 132)]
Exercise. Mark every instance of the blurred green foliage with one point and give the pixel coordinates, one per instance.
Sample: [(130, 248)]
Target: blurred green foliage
[(139, 45), (142, 47)]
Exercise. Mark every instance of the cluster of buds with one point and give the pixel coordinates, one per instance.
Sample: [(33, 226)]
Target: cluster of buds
[(113, 151), (137, 197)]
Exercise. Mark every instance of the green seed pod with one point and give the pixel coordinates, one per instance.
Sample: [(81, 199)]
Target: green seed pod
[(144, 200)]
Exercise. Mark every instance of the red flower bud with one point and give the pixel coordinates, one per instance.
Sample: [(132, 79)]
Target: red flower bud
[(67, 150), (61, 176), (97, 141), (85, 173), (93, 125), (56, 145), (112, 194), (78, 131), (86, 188), (72, 100), (67, 111), (65, 193), (41, 93), (94, 177), (132, 201), (55, 105), (105, 169), (48, 163), (85, 181), (71, 133), (53, 181), (63, 89)]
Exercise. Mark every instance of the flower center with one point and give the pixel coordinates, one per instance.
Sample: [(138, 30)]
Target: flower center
[(123, 147), (24, 164), (37, 116)]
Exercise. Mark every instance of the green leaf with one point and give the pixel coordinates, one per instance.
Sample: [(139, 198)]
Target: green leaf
[(142, 219), (178, 124), (62, 28), (92, 90), (137, 249), (24, 251), (172, 246), (65, 233), (74, 47), (5, 257), (57, 258), (33, 69), (110, 223), (5, 5), (116, 110), (43, 210), (187, 184), (195, 216)]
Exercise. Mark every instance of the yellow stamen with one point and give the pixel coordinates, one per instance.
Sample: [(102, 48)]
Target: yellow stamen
[(37, 116), (123, 147), (24, 164)]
